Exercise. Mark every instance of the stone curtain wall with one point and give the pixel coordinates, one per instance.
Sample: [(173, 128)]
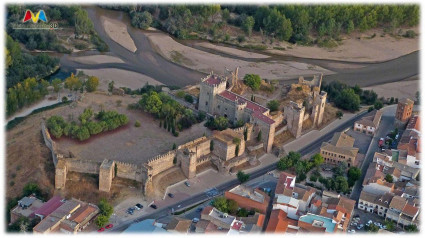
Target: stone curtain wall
[(49, 143), (83, 166), (129, 171), (162, 162)]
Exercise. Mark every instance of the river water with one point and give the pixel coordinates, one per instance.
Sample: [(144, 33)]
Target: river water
[(148, 62)]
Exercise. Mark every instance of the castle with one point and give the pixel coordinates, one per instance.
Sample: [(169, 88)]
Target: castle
[(215, 99), (224, 150)]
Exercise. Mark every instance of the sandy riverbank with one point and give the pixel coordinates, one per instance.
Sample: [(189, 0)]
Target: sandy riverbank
[(96, 59), (354, 49), (400, 89), (232, 51), (206, 62), (121, 78), (117, 31)]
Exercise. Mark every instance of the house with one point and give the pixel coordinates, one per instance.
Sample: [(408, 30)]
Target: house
[(375, 203), (220, 219), (145, 226), (339, 150), (369, 123), (249, 198), (179, 225), (26, 208), (51, 222), (49, 207), (207, 227), (277, 222), (410, 142), (71, 217), (254, 223)]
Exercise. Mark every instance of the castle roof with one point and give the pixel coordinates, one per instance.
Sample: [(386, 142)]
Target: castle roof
[(213, 79), (263, 118), (255, 107)]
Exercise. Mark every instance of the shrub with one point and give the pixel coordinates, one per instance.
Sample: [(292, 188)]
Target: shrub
[(242, 177), (410, 34), (241, 38), (273, 105), (188, 98), (137, 124)]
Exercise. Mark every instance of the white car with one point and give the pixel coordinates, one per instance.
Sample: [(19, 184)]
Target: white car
[(195, 220), (370, 221)]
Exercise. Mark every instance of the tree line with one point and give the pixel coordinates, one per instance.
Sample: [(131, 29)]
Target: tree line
[(293, 23)]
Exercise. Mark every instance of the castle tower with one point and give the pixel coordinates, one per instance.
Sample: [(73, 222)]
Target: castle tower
[(294, 114), (106, 174), (188, 163), (209, 88), (319, 103)]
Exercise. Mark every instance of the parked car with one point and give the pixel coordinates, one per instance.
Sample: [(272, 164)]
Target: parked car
[(187, 183), (170, 195), (199, 209), (101, 229), (153, 206), (109, 226), (381, 142), (137, 208), (195, 220), (130, 210), (140, 206)]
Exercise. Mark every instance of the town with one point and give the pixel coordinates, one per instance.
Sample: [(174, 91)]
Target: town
[(244, 150)]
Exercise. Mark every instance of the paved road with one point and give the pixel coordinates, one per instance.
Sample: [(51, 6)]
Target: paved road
[(387, 124), (161, 212)]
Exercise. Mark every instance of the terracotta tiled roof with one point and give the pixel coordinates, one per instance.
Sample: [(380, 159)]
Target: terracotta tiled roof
[(398, 203), (50, 206), (285, 180), (410, 210), (255, 107), (213, 79), (263, 118), (207, 210), (82, 213), (277, 222)]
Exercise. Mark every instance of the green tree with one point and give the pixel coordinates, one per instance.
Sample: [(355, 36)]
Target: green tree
[(341, 184), (378, 105), (242, 177), (31, 188), (350, 27), (92, 83), (83, 24), (105, 208), (348, 100), (151, 102), (57, 85), (372, 228), (390, 225), (102, 220), (389, 178), (339, 114), (248, 24), (284, 163), (353, 175), (221, 204), (141, 20), (273, 105), (221, 123), (411, 228), (317, 160), (253, 81), (111, 86), (73, 83), (232, 206)]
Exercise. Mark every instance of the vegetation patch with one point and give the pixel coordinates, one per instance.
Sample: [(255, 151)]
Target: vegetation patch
[(104, 121)]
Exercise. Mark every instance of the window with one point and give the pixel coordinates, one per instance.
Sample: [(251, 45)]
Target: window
[(206, 103), (218, 106)]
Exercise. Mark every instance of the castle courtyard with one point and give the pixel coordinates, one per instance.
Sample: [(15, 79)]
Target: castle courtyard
[(127, 144)]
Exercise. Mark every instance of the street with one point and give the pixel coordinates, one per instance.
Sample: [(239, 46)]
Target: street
[(387, 124)]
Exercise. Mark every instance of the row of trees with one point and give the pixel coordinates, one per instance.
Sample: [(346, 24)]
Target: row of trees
[(173, 116), (106, 210), (105, 121), (76, 83), (294, 23)]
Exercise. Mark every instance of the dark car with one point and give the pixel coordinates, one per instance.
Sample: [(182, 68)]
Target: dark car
[(153, 206), (130, 210), (171, 195), (109, 226), (199, 209), (140, 206)]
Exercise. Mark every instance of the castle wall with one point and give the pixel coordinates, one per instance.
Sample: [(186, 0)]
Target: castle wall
[(162, 162), (83, 166), (128, 171), (60, 174), (49, 143), (226, 108)]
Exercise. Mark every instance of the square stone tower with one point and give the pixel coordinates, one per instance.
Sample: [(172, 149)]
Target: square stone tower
[(106, 174), (210, 86), (319, 103), (294, 114)]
